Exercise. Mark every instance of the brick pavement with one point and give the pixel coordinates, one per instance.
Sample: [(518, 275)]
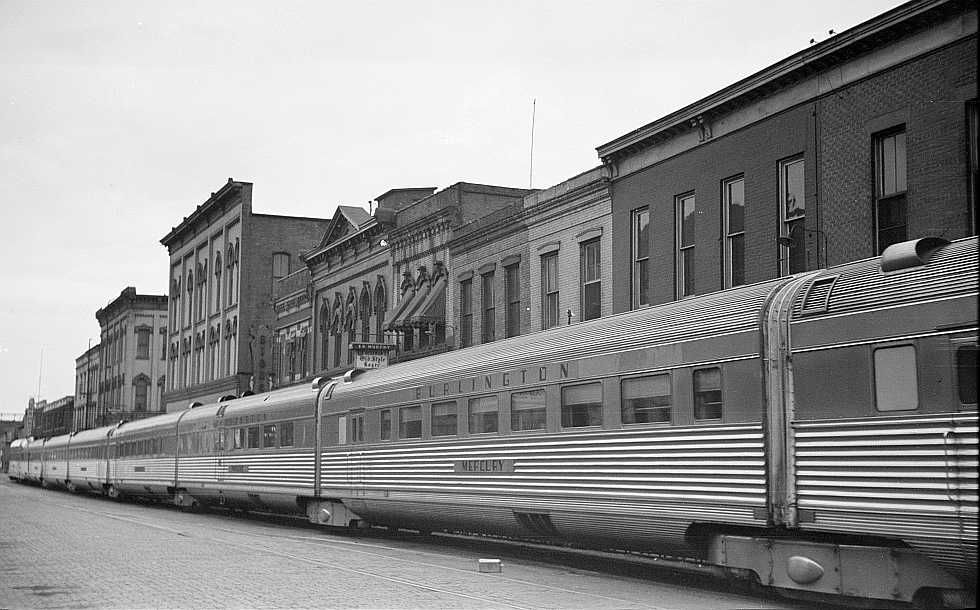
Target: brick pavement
[(67, 551)]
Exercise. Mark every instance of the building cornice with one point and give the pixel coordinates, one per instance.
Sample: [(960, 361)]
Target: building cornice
[(847, 44), (128, 300), (226, 193)]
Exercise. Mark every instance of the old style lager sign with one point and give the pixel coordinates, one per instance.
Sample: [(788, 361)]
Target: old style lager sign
[(371, 355)]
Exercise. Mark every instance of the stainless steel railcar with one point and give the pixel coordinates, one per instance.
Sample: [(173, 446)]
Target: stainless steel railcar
[(818, 432)]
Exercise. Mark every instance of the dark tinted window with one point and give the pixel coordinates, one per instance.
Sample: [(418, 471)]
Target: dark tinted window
[(966, 374)]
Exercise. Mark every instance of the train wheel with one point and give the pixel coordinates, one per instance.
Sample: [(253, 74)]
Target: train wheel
[(113, 493)]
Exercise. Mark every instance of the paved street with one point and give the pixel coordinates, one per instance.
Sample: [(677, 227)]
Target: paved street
[(69, 551)]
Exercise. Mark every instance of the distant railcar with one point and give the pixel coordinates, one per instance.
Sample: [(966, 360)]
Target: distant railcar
[(817, 432)]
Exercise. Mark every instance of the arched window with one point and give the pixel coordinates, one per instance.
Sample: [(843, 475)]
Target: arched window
[(365, 313), (217, 282), (323, 326), (141, 399), (336, 327), (380, 309)]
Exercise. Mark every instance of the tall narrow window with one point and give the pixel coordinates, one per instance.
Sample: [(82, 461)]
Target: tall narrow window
[(513, 300), (792, 206), (217, 283), (891, 223), (466, 313), (142, 394), (386, 425), (685, 244), (641, 257), (365, 314), (143, 342), (380, 310), (733, 202), (280, 266), (489, 310), (590, 274), (549, 290)]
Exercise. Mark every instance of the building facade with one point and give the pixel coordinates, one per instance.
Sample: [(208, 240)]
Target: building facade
[(422, 265), (87, 387), (830, 155), (349, 272), (543, 262), (224, 260), (132, 357)]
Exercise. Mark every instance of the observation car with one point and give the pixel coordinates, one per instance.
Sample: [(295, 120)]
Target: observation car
[(816, 432), (17, 466)]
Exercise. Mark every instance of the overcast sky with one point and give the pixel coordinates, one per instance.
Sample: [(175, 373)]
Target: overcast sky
[(119, 118)]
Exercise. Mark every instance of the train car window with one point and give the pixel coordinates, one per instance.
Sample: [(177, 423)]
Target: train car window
[(270, 436), (646, 400), (444, 418), (966, 374), (253, 437), (357, 428), (386, 424), (483, 415), (896, 381), (707, 394), (238, 438), (527, 411), (286, 434), (410, 422), (581, 405)]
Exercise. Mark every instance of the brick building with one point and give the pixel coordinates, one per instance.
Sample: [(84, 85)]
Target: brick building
[(421, 265), (44, 419), (130, 366), (827, 156), (87, 386), (535, 264), (224, 260)]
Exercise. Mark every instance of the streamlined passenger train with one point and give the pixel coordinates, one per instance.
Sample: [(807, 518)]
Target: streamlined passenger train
[(816, 432)]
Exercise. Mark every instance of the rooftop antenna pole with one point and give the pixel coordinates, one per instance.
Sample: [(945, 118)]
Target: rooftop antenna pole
[(40, 369), (530, 177)]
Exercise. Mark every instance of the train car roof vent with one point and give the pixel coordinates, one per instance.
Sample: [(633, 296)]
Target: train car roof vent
[(910, 253), (227, 397), (248, 393), (195, 404), (351, 374), (817, 298)]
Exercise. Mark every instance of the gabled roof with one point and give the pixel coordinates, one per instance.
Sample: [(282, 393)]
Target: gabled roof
[(346, 220)]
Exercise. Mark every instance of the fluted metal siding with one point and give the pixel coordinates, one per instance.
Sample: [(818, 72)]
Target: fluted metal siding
[(599, 483), (265, 471), (862, 285), (158, 472), (907, 477)]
